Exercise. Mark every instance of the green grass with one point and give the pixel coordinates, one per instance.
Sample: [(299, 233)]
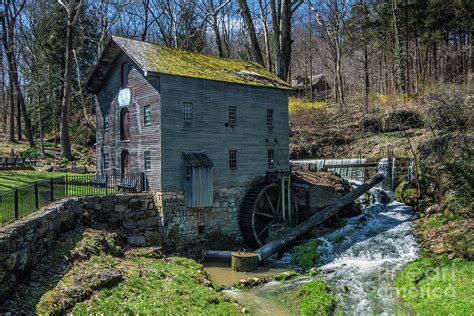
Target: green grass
[(437, 286), (13, 179), (159, 287), (315, 298), (26, 192)]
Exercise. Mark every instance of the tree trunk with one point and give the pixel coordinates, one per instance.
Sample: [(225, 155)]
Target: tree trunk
[(248, 22), (11, 101), (366, 79), (64, 130), (275, 11), (215, 28), (400, 66), (285, 39), (244, 261), (15, 90)]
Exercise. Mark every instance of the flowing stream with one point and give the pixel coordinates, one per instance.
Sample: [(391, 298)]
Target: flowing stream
[(359, 261)]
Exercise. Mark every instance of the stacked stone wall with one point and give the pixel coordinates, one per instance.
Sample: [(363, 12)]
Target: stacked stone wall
[(144, 219)]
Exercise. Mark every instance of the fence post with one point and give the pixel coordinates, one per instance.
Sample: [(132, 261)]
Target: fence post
[(66, 186), (52, 189), (36, 196), (16, 203), (142, 181), (106, 185)]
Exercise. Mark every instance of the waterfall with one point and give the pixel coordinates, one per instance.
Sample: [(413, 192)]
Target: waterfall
[(351, 173)]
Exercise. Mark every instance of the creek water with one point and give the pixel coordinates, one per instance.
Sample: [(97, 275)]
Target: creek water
[(358, 261)]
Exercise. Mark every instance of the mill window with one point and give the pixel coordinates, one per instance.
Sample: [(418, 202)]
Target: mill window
[(233, 159), (188, 112), (124, 124), (232, 115), (106, 161), (269, 118), (147, 158), (147, 115), (271, 158)]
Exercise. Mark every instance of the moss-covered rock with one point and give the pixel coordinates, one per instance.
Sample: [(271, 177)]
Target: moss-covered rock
[(97, 243), (79, 283), (146, 252), (406, 193), (315, 298), (306, 255), (285, 275)]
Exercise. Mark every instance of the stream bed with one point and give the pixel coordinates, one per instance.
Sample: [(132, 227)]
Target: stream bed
[(358, 261)]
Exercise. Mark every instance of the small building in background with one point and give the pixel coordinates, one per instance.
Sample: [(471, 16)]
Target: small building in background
[(315, 88)]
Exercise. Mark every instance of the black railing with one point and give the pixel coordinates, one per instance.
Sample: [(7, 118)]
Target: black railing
[(29, 198)]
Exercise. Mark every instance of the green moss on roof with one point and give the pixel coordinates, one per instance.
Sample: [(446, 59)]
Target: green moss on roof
[(160, 59)]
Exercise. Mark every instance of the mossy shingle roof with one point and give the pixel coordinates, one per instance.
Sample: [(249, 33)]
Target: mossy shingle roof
[(159, 59)]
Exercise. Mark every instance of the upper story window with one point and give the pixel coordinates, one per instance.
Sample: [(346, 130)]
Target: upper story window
[(271, 158), (106, 121), (232, 115), (147, 115), (124, 124), (233, 159), (106, 161), (147, 160), (187, 112), (269, 118), (124, 75)]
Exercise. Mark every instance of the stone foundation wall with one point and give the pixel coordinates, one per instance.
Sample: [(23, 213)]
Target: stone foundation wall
[(145, 219), (183, 225)]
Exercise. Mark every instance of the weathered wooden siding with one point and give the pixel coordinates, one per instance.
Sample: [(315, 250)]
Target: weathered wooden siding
[(145, 91), (207, 132)]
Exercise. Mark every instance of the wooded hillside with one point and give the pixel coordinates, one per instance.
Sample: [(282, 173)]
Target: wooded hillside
[(363, 48)]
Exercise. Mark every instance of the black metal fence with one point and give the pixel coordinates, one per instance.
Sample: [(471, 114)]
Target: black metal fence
[(29, 198)]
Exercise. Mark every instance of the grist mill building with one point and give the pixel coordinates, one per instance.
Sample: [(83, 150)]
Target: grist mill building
[(204, 130)]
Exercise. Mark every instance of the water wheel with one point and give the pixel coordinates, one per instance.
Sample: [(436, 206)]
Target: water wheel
[(262, 210)]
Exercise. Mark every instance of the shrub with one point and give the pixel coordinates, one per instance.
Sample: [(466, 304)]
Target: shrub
[(30, 152), (371, 124), (402, 120)]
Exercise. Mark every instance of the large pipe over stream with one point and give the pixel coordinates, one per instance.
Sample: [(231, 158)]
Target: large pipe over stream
[(296, 232)]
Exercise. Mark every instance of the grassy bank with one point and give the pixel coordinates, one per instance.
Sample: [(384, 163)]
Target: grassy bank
[(437, 285), (440, 281), (90, 272)]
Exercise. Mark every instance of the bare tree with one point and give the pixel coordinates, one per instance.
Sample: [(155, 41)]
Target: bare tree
[(250, 27), (282, 13), (107, 13), (73, 9), (331, 16), (10, 14)]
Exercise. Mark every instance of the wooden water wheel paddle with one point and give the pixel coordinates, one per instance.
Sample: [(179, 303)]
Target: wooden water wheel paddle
[(260, 210)]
